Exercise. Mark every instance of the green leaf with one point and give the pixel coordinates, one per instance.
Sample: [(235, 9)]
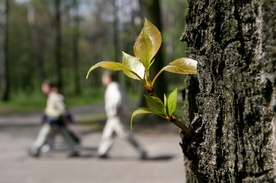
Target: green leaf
[(137, 68), (156, 105), (139, 111), (182, 66), (109, 65), (154, 35), (172, 102), (165, 101), (143, 49), (116, 66), (147, 44)]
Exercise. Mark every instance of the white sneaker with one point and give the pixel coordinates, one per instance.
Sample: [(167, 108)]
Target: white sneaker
[(46, 148)]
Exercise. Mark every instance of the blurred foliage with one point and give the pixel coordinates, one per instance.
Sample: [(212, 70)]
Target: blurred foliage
[(31, 44)]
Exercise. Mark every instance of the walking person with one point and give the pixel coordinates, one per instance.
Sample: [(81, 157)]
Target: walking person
[(67, 120), (116, 110), (55, 112)]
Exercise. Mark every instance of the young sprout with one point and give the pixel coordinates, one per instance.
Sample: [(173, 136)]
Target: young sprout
[(138, 67)]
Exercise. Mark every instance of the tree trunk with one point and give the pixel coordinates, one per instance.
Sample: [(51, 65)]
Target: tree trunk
[(234, 92), (76, 36), (4, 69), (58, 42), (38, 41), (117, 39), (152, 11)]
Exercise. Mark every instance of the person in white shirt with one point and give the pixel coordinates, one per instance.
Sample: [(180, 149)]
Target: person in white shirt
[(55, 112), (116, 108)]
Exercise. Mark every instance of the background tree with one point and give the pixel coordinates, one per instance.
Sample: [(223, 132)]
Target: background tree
[(172, 26), (4, 67), (117, 37), (152, 10), (234, 91), (75, 48), (116, 34), (58, 41), (36, 19), (87, 36)]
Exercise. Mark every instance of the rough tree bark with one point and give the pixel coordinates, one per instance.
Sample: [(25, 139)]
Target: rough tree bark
[(234, 92)]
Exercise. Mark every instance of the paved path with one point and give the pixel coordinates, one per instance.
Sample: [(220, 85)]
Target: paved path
[(17, 133)]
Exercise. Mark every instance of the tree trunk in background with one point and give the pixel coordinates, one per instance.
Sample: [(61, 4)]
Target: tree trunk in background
[(117, 40), (38, 40), (116, 32), (76, 36), (58, 42), (4, 68), (152, 12), (234, 91)]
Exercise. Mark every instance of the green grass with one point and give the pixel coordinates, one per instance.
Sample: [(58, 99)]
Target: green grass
[(24, 102), (36, 101), (21, 103), (36, 105)]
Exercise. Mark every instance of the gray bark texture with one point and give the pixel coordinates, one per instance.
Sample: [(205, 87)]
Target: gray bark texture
[(234, 92)]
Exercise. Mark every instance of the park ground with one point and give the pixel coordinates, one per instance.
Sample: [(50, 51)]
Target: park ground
[(18, 132)]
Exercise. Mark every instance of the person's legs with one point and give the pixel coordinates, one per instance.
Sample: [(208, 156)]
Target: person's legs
[(107, 138), (41, 139), (68, 139), (122, 132), (76, 139), (49, 144)]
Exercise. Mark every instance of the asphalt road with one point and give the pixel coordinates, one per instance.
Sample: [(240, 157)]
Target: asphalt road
[(18, 132)]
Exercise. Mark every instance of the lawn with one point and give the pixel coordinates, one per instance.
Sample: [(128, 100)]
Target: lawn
[(35, 102), (23, 103)]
